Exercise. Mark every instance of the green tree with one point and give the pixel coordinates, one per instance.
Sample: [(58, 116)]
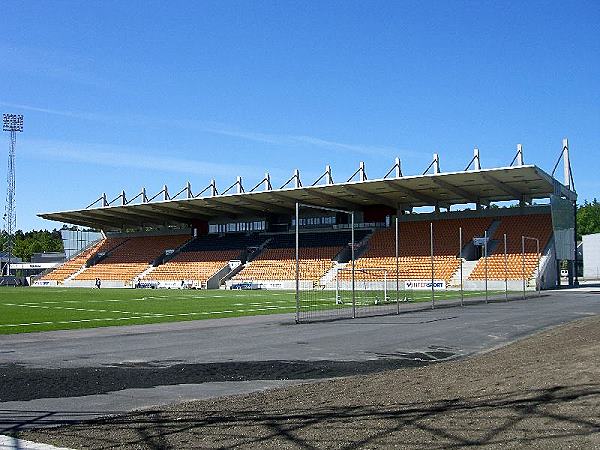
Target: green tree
[(26, 244), (588, 218)]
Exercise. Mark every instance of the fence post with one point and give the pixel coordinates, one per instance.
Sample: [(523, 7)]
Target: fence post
[(505, 271), (485, 249), (297, 264), (337, 287), (539, 278), (352, 242), (523, 263), (397, 267), (432, 271), (461, 266), (385, 281)]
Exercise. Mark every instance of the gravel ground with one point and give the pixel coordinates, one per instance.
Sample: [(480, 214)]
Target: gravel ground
[(540, 392)]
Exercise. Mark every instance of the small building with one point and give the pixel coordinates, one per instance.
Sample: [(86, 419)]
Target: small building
[(39, 263), (4, 259), (591, 256)]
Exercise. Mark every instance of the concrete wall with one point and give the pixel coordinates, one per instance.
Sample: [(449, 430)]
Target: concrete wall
[(591, 256)]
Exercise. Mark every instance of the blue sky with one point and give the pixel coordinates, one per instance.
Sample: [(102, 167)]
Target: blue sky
[(118, 95)]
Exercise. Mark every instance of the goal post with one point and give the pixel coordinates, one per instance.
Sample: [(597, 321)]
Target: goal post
[(330, 281), (315, 270)]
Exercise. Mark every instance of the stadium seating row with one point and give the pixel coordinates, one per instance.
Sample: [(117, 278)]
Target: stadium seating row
[(131, 258), (316, 251), (280, 264), (75, 264), (193, 265), (415, 248), (537, 226)]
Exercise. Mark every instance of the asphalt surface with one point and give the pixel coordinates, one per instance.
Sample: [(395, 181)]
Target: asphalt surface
[(65, 376)]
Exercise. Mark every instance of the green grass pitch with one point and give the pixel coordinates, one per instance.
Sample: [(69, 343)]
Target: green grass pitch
[(41, 309)]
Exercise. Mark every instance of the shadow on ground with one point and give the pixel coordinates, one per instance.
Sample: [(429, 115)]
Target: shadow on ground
[(543, 415), (21, 383)]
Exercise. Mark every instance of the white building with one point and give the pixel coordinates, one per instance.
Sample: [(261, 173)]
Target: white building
[(591, 256)]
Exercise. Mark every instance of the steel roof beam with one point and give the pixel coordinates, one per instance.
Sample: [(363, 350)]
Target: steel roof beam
[(199, 211), (208, 209), (167, 214), (426, 199), (175, 213), (93, 222), (456, 190), (333, 199), (502, 186), (119, 216), (292, 201), (233, 208), (284, 198), (137, 214), (202, 212), (267, 207), (141, 218), (370, 196)]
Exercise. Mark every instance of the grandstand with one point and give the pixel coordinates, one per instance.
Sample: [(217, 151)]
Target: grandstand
[(220, 240)]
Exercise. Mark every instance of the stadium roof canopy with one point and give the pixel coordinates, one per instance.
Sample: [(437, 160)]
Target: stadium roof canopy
[(522, 183)]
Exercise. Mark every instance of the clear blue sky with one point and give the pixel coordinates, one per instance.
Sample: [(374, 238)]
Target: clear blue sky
[(124, 94)]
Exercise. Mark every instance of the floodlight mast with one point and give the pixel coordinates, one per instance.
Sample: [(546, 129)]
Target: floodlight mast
[(13, 123)]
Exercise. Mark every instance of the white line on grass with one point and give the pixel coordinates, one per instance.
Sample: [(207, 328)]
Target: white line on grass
[(140, 315)]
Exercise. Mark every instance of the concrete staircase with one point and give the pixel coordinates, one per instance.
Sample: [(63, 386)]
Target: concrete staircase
[(72, 277), (146, 272), (468, 267), (329, 276)]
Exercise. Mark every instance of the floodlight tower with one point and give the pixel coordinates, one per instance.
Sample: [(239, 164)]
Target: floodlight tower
[(12, 123)]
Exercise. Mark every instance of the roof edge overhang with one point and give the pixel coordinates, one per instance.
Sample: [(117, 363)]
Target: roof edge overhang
[(520, 183)]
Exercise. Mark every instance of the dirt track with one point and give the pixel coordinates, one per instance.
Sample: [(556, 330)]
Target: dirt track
[(541, 392)]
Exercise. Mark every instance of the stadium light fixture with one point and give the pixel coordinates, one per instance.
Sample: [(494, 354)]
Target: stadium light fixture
[(12, 122)]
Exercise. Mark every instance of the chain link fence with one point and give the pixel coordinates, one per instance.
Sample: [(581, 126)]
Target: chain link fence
[(356, 283)]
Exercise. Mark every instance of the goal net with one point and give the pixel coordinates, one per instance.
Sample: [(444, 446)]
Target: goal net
[(370, 286), (329, 283), (324, 241)]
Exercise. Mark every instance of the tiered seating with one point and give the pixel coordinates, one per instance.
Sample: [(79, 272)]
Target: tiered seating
[(132, 257), (280, 264), (71, 266), (414, 260), (535, 225), (204, 256), (317, 251), (193, 266)]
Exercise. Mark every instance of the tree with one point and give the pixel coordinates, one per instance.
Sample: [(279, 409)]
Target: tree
[(588, 218), (26, 244)]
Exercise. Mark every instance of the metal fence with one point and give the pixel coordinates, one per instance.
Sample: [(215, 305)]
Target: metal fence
[(482, 270)]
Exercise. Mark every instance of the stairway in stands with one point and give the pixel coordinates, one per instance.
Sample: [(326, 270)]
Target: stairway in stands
[(467, 268), (329, 277)]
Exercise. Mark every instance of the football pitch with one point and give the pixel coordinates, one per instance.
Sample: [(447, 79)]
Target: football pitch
[(25, 310)]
